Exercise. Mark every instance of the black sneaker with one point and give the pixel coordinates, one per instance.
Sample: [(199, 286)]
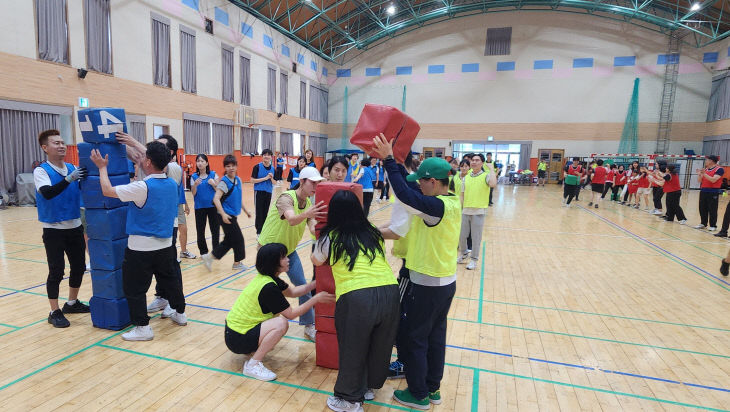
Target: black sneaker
[(725, 268), (57, 319), (77, 307), (596, 206), (720, 234)]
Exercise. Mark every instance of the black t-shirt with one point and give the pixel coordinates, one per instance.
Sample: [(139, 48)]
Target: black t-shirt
[(271, 299), (255, 171)]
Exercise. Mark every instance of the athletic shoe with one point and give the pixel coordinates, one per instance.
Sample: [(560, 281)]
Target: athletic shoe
[(257, 370), (77, 307), (596, 206), (310, 333), (238, 266), (88, 268), (712, 228), (157, 305), (338, 404), (369, 394), (471, 265), (720, 234), (139, 333), (724, 268), (435, 397), (396, 370), (57, 319), (636, 206), (700, 226), (180, 319), (656, 212), (461, 259), (406, 398), (467, 251), (208, 261), (683, 222), (167, 312), (187, 255), (590, 204)]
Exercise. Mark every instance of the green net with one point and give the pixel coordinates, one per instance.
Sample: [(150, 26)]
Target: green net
[(630, 136)]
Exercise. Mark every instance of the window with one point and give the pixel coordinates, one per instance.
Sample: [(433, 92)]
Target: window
[(245, 80), (160, 129), (297, 140), (98, 36), (499, 41), (160, 50), (271, 89), (52, 29), (227, 64), (303, 100), (207, 135), (188, 78), (137, 126), (284, 92)]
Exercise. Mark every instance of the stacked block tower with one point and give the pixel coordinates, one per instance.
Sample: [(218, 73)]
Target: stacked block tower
[(106, 217)]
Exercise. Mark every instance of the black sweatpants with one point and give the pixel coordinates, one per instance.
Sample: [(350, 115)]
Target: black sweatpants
[(725, 219), (232, 239), (404, 288), (366, 321), (617, 189), (674, 209), (569, 191), (71, 243), (606, 188), (385, 190), (211, 215), (425, 348), (261, 201), (367, 200), (137, 271), (657, 194), (160, 288), (708, 208)]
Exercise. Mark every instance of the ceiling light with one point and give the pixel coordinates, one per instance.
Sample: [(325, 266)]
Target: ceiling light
[(695, 7), (390, 10)]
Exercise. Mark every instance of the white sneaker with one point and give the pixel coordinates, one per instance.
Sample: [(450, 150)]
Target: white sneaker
[(683, 222), (310, 333), (167, 312), (467, 251), (712, 228), (180, 319), (257, 370), (340, 405), (88, 267), (700, 226), (471, 265), (369, 394), (139, 333), (462, 258), (157, 305), (656, 212), (238, 266), (208, 261), (187, 255)]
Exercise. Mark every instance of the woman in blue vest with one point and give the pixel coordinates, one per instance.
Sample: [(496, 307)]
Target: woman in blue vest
[(262, 177), (203, 188), (280, 165), (366, 180), (293, 177), (309, 157), (228, 200)]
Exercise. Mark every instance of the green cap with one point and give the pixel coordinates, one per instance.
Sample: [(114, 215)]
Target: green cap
[(433, 167)]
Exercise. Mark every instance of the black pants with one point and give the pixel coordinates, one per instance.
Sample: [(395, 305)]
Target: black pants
[(425, 347), (674, 209), (278, 173), (626, 196), (404, 286), (657, 194), (71, 243), (366, 321), (385, 191), (725, 218), (211, 215), (261, 201), (570, 191), (137, 271), (232, 239), (708, 208), (160, 288), (617, 191), (491, 192), (606, 187), (367, 200)]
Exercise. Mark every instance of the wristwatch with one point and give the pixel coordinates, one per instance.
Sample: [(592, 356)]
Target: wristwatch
[(389, 157)]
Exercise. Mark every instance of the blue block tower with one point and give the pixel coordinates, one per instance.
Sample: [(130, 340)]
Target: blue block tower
[(105, 217)]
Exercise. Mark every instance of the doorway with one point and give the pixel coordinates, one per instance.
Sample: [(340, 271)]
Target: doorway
[(555, 163)]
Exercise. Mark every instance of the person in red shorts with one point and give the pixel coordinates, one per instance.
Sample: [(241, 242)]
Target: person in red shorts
[(598, 181)]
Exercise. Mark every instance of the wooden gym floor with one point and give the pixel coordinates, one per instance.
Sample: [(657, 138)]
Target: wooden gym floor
[(569, 309)]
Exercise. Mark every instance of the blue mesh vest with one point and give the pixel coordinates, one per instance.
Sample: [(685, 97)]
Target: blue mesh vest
[(232, 203), (66, 205), (157, 216), (266, 185)]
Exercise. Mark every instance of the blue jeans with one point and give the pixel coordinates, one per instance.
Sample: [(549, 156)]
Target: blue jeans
[(296, 275)]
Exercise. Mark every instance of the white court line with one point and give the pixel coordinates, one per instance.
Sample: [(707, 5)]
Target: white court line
[(550, 231)]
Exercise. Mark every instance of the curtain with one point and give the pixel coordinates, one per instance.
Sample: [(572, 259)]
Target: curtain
[(197, 136), (138, 131), (303, 100), (98, 32), (719, 106), (286, 143), (187, 61), (161, 53), (318, 144), (525, 150), (268, 139), (284, 92), (222, 139), (318, 102), (52, 30), (249, 140), (499, 41), (246, 82), (303, 146), (718, 146), (19, 145), (324, 106), (271, 90), (227, 74)]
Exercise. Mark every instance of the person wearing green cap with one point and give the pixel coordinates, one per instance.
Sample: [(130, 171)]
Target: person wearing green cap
[(433, 239)]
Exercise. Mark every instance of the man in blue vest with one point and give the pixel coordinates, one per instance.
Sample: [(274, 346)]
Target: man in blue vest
[(150, 218), (59, 209), (262, 177)]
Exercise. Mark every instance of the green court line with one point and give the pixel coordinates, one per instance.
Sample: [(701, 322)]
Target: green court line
[(541, 245), (249, 270), (593, 313), (227, 288), (589, 388), (475, 392), (572, 335), (20, 244), (23, 250), (228, 372), (9, 326), (481, 283), (223, 325), (25, 260)]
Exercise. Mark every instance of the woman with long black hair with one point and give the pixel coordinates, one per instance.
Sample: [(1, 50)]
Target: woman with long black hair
[(203, 186), (367, 309), (309, 157), (293, 177)]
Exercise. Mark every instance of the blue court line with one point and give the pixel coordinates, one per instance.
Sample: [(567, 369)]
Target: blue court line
[(28, 288), (215, 283), (570, 365), (656, 246)]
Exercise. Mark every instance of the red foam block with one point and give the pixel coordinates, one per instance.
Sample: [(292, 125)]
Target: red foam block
[(397, 127), (327, 350), (325, 324)]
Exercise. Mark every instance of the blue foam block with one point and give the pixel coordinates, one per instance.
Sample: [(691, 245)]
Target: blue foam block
[(99, 125), (106, 254), (91, 192), (118, 164), (107, 284), (106, 224), (109, 313)]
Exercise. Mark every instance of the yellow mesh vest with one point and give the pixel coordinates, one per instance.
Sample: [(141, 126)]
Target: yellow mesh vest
[(246, 312), (476, 191), (433, 250), (363, 275), (278, 230)]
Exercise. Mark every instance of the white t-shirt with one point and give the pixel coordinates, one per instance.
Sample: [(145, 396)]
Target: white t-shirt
[(137, 192), (176, 173), (41, 178)]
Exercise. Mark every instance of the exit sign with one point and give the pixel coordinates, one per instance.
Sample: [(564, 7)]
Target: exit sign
[(490, 138), (83, 102)]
